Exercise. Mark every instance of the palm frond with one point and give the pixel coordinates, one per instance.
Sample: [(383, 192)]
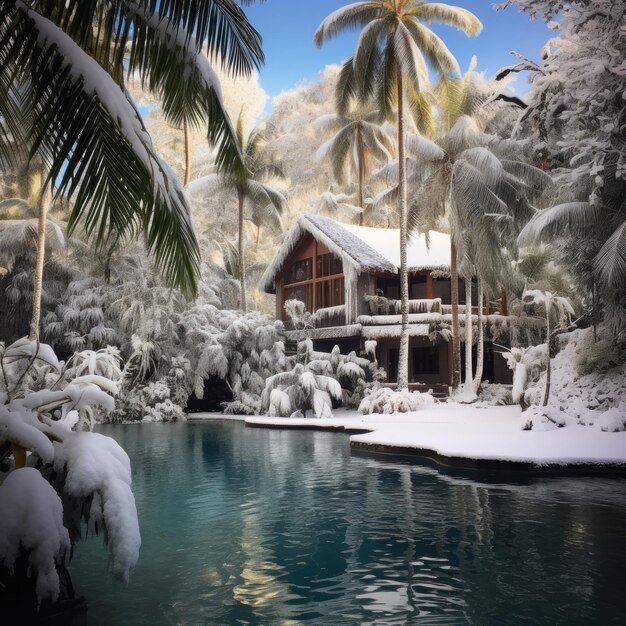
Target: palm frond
[(441, 13), (610, 262), (349, 17), (98, 149), (558, 220)]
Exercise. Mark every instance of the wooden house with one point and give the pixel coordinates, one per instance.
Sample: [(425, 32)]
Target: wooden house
[(347, 276)]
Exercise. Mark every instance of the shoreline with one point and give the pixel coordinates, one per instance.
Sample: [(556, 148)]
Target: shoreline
[(456, 437)]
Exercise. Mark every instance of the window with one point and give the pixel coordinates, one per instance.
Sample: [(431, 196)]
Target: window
[(425, 361), (390, 287), (328, 265), (304, 293), (300, 271), (330, 293), (417, 290)]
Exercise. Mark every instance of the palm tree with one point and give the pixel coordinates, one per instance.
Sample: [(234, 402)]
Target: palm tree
[(483, 188), (357, 142), (265, 203), (390, 60), (63, 65)]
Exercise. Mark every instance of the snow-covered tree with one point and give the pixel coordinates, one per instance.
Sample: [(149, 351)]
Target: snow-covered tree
[(576, 110), (389, 63), (71, 475)]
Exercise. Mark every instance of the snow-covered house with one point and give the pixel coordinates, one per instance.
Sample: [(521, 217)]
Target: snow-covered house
[(347, 276)]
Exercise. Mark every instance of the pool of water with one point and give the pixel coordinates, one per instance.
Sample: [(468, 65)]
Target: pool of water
[(250, 526)]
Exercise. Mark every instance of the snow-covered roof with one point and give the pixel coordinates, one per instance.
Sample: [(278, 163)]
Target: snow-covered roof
[(364, 248)]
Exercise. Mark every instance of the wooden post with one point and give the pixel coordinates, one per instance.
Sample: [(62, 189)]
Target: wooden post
[(429, 286)]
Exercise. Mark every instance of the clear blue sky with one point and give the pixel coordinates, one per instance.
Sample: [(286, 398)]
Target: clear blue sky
[(287, 28)]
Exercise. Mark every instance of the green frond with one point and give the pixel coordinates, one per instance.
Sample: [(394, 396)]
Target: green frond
[(610, 262), (433, 48), (559, 220), (422, 111), (98, 150), (367, 59)]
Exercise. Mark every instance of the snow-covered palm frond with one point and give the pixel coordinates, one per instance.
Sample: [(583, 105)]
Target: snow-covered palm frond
[(348, 17), (486, 163), (441, 13), (557, 220), (208, 185), (610, 262), (433, 48), (464, 134), (423, 148)]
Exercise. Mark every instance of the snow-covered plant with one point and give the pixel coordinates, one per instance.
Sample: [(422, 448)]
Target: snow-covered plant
[(352, 372), (387, 400), (40, 413), (556, 308), (301, 389), (527, 365), (300, 318)]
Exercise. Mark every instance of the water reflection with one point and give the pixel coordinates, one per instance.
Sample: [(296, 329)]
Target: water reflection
[(247, 526)]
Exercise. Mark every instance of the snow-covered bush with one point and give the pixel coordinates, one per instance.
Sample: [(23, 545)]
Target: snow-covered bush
[(597, 398), (493, 394), (387, 400), (355, 374), (300, 390), (45, 405)]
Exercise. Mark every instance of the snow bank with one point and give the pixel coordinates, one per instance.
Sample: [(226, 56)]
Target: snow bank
[(597, 399), (32, 520)]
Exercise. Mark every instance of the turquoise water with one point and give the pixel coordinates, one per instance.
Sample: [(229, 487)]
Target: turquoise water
[(250, 526)]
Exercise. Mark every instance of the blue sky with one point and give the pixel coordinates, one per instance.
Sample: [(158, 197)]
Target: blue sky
[(287, 28)]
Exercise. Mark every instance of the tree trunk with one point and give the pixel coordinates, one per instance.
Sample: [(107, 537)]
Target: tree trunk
[(469, 375), (403, 364), (480, 342), (546, 393), (44, 203), (242, 258), (187, 154), (456, 327), (361, 165)]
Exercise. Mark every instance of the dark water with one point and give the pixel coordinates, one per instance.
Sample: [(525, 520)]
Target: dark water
[(248, 526)]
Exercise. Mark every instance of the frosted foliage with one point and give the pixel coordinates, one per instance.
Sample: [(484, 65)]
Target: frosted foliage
[(32, 521), (595, 399), (300, 390), (386, 400), (87, 467), (96, 465)]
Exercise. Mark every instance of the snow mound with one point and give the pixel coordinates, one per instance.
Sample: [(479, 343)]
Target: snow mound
[(32, 521), (594, 399)]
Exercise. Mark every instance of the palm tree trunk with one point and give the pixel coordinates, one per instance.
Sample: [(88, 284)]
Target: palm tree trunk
[(546, 393), (403, 364), (187, 154), (361, 166), (456, 327), (242, 258), (44, 203), (480, 342), (469, 375)]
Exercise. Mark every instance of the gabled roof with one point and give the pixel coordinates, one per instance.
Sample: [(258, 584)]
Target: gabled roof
[(364, 249)]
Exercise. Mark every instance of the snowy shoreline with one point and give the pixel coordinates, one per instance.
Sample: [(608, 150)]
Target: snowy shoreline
[(466, 437)]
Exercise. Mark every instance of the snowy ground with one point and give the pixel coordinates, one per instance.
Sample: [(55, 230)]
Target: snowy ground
[(451, 430)]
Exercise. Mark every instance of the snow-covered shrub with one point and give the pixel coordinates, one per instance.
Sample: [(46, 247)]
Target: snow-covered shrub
[(149, 403), (355, 374), (90, 472), (301, 389), (527, 364), (387, 400), (492, 394), (575, 398)]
